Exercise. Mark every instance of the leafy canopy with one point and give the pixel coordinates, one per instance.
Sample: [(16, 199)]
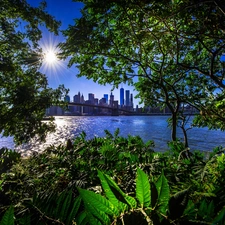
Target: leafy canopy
[(169, 50), (24, 91)]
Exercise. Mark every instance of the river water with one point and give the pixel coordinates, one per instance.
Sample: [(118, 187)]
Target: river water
[(147, 127)]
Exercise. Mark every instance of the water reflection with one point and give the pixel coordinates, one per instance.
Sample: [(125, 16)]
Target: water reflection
[(147, 127)]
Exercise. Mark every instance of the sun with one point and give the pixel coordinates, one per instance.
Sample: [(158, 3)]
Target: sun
[(50, 57), (52, 64)]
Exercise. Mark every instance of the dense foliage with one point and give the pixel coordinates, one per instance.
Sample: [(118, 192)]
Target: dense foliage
[(24, 91), (171, 51), (175, 50), (113, 180)]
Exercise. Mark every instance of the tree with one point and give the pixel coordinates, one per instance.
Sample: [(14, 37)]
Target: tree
[(160, 47), (24, 91)]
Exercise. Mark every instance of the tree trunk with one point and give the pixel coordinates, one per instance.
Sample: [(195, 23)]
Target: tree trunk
[(185, 137), (174, 126)]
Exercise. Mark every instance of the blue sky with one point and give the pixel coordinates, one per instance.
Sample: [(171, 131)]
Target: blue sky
[(66, 11)]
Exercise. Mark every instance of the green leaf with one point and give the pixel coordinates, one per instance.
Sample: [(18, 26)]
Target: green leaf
[(115, 192), (66, 203), (74, 210), (143, 189), (110, 194), (202, 208), (97, 205), (8, 217), (59, 203), (94, 221), (97, 201), (82, 218), (220, 218), (163, 193)]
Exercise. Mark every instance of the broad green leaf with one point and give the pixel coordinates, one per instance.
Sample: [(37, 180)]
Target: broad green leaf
[(94, 216), (143, 189), (82, 218), (97, 201), (119, 206), (119, 193), (94, 221), (163, 193), (8, 217)]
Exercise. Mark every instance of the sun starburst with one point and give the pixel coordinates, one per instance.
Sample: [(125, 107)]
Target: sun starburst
[(50, 57), (51, 64)]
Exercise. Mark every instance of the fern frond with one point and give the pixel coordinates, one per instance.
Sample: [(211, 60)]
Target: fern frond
[(8, 217)]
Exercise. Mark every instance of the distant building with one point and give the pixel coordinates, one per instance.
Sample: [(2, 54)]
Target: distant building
[(96, 101), (54, 111), (77, 98), (102, 101), (131, 100), (106, 96), (111, 99), (121, 97), (115, 104), (87, 109), (127, 98), (91, 98), (82, 99)]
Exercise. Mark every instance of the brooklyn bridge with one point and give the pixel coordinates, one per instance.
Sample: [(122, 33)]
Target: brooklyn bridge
[(113, 110)]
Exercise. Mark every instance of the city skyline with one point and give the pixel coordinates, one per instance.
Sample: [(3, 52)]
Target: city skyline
[(66, 11), (106, 105), (122, 100)]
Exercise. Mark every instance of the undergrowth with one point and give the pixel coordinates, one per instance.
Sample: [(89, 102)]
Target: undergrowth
[(112, 180)]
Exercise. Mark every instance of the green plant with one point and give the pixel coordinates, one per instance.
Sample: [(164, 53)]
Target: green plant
[(35, 185), (8, 217), (150, 202), (7, 159)]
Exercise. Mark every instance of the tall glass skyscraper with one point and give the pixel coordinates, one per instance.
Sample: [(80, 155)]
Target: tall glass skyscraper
[(121, 96), (111, 99), (131, 100), (127, 97), (106, 98)]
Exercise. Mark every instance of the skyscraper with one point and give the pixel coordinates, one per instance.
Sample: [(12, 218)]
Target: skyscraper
[(106, 98), (127, 98), (121, 96), (91, 98), (76, 98), (131, 100), (111, 99), (82, 99)]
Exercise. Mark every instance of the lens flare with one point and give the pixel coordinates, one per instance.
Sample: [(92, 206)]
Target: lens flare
[(53, 66), (50, 57)]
